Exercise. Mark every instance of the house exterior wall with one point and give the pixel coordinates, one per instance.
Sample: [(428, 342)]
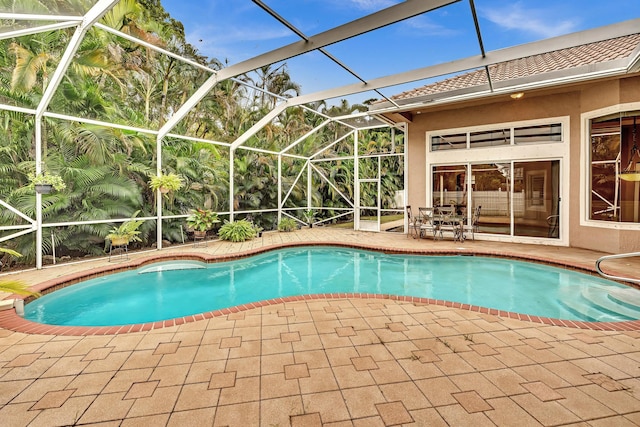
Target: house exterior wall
[(567, 101)]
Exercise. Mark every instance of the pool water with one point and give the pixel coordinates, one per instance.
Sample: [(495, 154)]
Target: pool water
[(175, 289)]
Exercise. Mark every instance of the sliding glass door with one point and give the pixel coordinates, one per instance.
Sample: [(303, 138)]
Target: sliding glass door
[(515, 198)]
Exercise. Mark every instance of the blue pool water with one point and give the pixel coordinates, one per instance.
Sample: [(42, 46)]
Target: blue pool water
[(179, 288)]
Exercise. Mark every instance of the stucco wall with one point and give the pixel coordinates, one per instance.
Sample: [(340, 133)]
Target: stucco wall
[(569, 101)]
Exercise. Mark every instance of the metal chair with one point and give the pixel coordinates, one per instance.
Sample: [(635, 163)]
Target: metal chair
[(473, 225), (449, 221), (427, 222), (414, 223)]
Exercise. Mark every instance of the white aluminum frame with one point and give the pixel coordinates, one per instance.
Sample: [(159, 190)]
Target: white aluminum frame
[(374, 21)]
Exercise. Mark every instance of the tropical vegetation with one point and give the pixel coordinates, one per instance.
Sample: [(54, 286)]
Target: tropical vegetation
[(106, 169), (15, 286)]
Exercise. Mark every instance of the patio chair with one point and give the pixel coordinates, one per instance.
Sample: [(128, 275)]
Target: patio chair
[(414, 223), (427, 222), (473, 225), (552, 221), (449, 221)]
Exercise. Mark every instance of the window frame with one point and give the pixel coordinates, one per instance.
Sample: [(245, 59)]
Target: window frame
[(585, 167), (542, 151)]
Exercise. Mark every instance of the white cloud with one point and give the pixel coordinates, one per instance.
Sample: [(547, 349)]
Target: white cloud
[(224, 42), (366, 5), (372, 4), (422, 25), (538, 22)]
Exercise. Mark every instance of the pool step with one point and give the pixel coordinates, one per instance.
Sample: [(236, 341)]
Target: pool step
[(595, 304), (627, 297), (172, 265), (603, 299)]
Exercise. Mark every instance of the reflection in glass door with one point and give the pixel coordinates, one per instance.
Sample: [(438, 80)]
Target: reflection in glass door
[(516, 198), (490, 189), (537, 186)]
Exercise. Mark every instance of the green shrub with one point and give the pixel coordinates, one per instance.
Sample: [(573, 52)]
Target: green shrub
[(287, 224), (237, 231)]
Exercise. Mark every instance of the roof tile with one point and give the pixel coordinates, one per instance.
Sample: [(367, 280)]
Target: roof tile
[(587, 54)]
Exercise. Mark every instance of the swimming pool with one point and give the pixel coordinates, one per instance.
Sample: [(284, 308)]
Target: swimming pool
[(175, 289)]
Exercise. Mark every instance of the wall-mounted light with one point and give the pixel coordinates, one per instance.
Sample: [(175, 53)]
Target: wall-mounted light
[(630, 173), (517, 95)]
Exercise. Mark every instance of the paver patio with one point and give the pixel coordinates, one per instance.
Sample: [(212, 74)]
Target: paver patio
[(329, 361)]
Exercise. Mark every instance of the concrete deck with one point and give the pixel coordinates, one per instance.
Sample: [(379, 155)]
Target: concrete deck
[(329, 362)]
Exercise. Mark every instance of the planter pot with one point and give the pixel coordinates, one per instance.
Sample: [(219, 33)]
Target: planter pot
[(43, 188), (199, 234), (119, 241), (164, 190)]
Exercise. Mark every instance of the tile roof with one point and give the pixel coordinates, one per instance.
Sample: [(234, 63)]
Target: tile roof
[(583, 55)]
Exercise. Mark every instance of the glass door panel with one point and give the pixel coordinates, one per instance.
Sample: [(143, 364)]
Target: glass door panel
[(490, 185), (449, 187), (537, 199)]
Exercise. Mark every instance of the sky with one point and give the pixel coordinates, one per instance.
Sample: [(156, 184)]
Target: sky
[(235, 30)]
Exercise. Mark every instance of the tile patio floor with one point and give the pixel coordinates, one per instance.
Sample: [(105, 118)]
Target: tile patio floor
[(329, 362)]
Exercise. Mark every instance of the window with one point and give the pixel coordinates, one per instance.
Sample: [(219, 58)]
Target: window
[(611, 138), (449, 142), (490, 138), (538, 134), (533, 134)]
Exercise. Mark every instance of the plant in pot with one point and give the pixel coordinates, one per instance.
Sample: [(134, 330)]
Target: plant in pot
[(258, 230), (309, 216), (45, 183), (201, 221), (165, 183), (126, 232)]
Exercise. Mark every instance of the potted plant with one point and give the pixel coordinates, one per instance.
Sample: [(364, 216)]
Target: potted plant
[(45, 183), (201, 221), (258, 230), (166, 183), (126, 232), (309, 215)]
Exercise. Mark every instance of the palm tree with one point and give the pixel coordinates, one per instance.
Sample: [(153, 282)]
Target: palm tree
[(15, 286), (274, 80)]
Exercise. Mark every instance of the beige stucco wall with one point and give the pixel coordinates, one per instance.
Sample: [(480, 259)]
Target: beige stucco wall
[(569, 101)]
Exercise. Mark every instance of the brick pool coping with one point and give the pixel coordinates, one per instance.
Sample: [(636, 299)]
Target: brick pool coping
[(10, 320)]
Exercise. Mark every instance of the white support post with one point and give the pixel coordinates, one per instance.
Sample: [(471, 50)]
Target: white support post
[(279, 187), (405, 157), (309, 186), (379, 191), (38, 135), (158, 193), (356, 177), (231, 155)]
